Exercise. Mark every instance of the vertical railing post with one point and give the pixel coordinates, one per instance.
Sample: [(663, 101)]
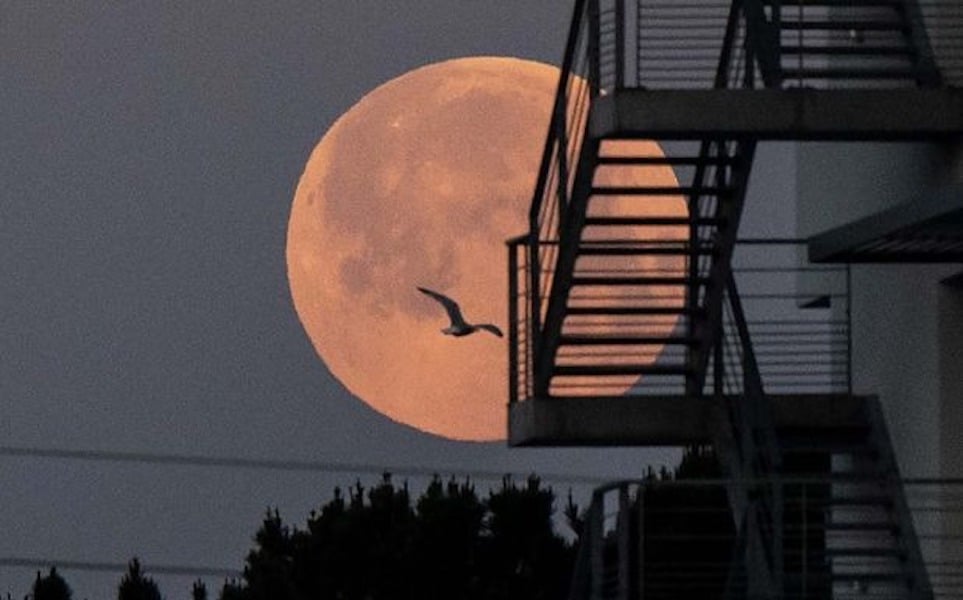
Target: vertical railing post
[(597, 543), (849, 329), (763, 40), (513, 349), (622, 524), (594, 56), (561, 188), (620, 48), (804, 558), (640, 578), (535, 303), (928, 73)]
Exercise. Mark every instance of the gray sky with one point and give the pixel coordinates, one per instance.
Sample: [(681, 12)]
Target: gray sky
[(150, 152)]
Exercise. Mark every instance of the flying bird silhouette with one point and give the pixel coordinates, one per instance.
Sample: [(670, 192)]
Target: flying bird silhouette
[(459, 326)]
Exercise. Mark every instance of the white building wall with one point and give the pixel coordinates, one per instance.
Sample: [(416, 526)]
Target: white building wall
[(903, 317)]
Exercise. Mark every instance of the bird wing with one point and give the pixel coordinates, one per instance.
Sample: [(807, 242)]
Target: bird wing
[(454, 313), (490, 328)]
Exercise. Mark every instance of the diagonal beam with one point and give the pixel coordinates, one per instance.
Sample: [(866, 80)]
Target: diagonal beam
[(570, 232)]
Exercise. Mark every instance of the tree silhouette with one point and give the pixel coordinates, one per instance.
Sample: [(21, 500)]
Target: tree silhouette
[(136, 586), (51, 587), (269, 570), (449, 519), (199, 591), (374, 545), (689, 533), (522, 555)]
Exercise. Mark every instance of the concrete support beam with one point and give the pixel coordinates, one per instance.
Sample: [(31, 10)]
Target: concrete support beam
[(796, 114), (658, 421)]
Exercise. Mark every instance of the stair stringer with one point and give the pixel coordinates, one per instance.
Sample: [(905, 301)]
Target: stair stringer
[(916, 575), (708, 329), (569, 237)]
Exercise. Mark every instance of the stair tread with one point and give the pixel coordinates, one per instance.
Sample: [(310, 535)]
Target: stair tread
[(847, 3), (869, 525), (667, 160), (617, 370), (846, 50), (849, 73), (841, 476), (803, 445), (595, 280), (840, 435), (627, 250), (654, 221), (841, 25), (623, 340), (873, 551), (658, 190), (869, 577), (634, 310), (860, 500)]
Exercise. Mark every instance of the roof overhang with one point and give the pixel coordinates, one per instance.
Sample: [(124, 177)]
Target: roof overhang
[(929, 229)]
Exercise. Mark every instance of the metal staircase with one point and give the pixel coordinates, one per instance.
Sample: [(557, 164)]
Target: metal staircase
[(622, 293), (847, 521), (847, 528), (861, 42)]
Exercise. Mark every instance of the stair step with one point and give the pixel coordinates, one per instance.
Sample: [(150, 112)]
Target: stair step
[(846, 50), (667, 160), (870, 578), (843, 73), (629, 250), (653, 221), (659, 190), (601, 281), (634, 310), (837, 435), (806, 446), (625, 340), (859, 25), (854, 477), (860, 500), (873, 552), (846, 3), (620, 370), (868, 526)]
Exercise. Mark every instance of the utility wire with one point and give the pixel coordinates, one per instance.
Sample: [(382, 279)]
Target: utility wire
[(193, 460)]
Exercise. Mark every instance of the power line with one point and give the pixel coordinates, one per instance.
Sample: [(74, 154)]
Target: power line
[(291, 465), (116, 567)]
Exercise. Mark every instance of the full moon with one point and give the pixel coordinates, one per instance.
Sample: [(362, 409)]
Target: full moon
[(419, 184)]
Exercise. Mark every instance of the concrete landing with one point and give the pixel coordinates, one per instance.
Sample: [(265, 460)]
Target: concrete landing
[(795, 114), (659, 420)]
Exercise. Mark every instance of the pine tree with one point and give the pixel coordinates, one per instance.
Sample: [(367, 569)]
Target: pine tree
[(136, 586), (199, 591), (51, 587)]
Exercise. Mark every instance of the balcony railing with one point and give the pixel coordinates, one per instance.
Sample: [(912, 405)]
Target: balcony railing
[(676, 44), (797, 317)]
